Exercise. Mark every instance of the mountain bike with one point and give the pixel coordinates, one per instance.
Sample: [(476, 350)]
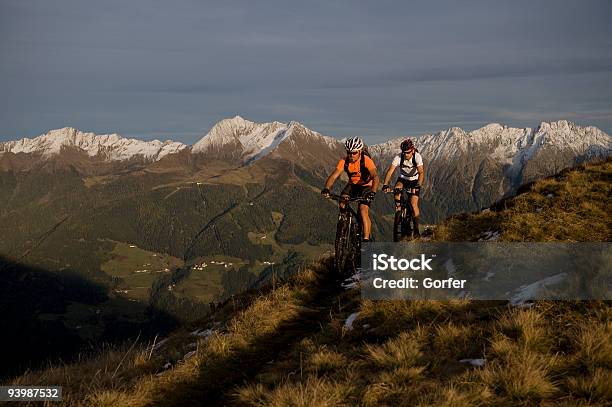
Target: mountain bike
[(348, 236), (402, 224)]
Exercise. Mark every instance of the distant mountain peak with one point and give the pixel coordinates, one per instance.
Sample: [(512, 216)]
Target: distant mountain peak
[(248, 141), (236, 121), (296, 125), (237, 136), (493, 127)]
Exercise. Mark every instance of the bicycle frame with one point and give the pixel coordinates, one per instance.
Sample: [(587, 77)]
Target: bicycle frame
[(348, 235), (347, 202), (403, 217)]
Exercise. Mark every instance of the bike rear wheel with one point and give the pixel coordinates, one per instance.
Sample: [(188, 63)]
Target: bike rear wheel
[(401, 225), (407, 223), (353, 248), (398, 225)]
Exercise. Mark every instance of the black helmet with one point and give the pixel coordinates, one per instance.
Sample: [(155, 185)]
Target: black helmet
[(407, 145)]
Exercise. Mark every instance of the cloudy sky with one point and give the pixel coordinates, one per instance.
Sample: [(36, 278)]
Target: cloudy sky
[(380, 69)]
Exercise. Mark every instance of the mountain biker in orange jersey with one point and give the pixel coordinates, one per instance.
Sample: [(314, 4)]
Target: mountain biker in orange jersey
[(363, 180), (411, 175)]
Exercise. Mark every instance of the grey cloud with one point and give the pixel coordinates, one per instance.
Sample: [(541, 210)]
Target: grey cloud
[(477, 72), (376, 68)]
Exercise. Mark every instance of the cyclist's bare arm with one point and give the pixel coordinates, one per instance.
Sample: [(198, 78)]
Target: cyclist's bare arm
[(375, 179), (332, 178), (421, 170), (389, 174)]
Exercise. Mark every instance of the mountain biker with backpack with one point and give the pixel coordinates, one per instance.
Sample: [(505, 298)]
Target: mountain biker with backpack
[(363, 180), (411, 175)]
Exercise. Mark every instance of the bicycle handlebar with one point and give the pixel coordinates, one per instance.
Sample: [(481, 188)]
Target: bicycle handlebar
[(347, 199), (400, 190)]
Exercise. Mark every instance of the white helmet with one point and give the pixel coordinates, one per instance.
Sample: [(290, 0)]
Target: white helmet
[(354, 144)]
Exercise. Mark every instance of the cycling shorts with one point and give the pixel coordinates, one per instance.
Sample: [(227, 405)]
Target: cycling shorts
[(406, 183), (357, 191)]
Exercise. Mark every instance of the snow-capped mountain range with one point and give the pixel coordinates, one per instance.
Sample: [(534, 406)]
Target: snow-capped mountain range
[(507, 144), (110, 147), (510, 147), (464, 170), (248, 141)]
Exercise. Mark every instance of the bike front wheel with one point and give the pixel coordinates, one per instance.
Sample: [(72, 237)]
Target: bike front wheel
[(342, 243), (353, 248)]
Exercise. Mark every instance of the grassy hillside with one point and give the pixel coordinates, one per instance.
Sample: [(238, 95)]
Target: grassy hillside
[(142, 235), (572, 206), (292, 344)]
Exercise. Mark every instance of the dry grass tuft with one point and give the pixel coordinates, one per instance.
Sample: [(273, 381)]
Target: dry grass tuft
[(527, 327), (112, 398), (111, 370), (401, 351), (455, 396), (593, 344), (264, 315), (592, 387), (391, 393), (392, 316), (325, 360), (253, 394), (520, 375), (453, 341), (401, 375), (311, 392), (304, 278)]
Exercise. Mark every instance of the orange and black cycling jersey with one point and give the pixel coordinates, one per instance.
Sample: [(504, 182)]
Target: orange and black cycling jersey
[(355, 169)]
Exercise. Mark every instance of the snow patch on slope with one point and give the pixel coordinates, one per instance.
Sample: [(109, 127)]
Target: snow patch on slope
[(264, 144), (532, 291), (348, 324)]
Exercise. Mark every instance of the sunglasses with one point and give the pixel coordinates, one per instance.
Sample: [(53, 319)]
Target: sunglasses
[(353, 152)]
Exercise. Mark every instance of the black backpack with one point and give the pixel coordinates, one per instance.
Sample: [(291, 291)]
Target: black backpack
[(365, 173), (414, 163)]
